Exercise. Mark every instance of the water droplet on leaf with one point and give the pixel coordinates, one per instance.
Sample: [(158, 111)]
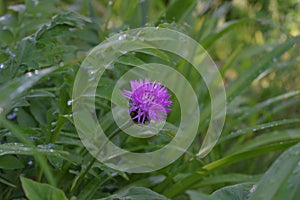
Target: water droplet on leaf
[(122, 37)]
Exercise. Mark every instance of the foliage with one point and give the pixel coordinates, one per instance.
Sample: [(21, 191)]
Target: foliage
[(254, 43)]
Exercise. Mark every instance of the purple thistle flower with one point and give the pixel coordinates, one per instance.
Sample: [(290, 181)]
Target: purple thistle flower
[(147, 101)]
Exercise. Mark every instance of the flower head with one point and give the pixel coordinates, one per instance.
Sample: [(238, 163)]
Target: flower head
[(147, 101)]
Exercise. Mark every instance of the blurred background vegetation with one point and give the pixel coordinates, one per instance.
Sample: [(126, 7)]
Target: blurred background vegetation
[(255, 45)]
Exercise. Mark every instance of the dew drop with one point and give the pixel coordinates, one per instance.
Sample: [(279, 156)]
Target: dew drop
[(53, 123), (2, 66), (253, 189), (122, 37), (12, 116), (68, 115), (28, 74), (2, 18), (61, 64), (70, 102)]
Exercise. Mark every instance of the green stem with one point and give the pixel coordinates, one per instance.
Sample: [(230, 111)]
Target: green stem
[(114, 133), (61, 121)]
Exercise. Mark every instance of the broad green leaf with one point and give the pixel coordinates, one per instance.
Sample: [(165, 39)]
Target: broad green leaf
[(15, 88), (197, 195), (137, 193), (37, 191), (69, 18), (130, 60), (147, 182), (282, 180), (6, 37), (25, 119), (38, 108), (234, 192), (10, 162)]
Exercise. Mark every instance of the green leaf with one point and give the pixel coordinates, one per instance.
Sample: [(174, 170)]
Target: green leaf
[(6, 182), (25, 119), (179, 9), (10, 162), (245, 112), (234, 192), (37, 191), (130, 60), (252, 72), (40, 93), (21, 149), (268, 138), (15, 88), (146, 182), (137, 193), (38, 108), (69, 19), (6, 37), (282, 180), (193, 178), (208, 41), (226, 178), (257, 128), (196, 195)]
